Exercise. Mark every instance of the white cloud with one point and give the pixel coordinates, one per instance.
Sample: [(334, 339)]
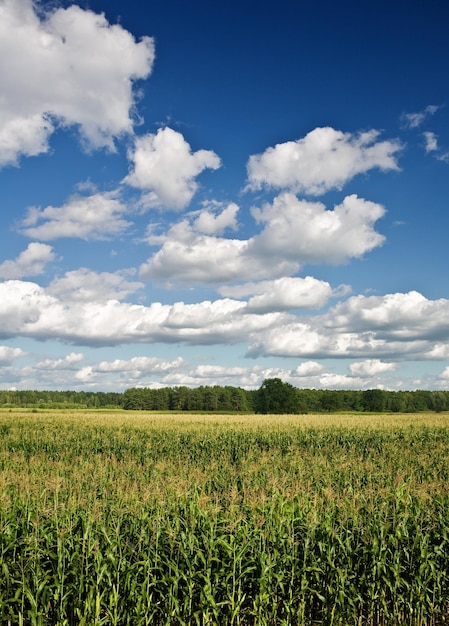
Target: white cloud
[(86, 375), (140, 364), (8, 355), (212, 375), (68, 362), (70, 68), (339, 381), (309, 368), (413, 120), (165, 166), (439, 351), (295, 232), (95, 217), (83, 285), (155, 372), (324, 159), (309, 339), (129, 371), (396, 316), (30, 262), (191, 258), (29, 310), (287, 293), (431, 142), (22, 305), (371, 367), (296, 339), (23, 135), (210, 222), (217, 372), (395, 325), (306, 232), (432, 146)]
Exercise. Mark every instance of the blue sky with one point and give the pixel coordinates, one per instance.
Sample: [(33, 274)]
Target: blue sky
[(216, 193)]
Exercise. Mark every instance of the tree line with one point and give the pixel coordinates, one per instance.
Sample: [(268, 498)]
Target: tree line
[(273, 396), (60, 399)]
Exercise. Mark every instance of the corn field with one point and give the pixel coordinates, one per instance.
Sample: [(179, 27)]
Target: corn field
[(141, 519)]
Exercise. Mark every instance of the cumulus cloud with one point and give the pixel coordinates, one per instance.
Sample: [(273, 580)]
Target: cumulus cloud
[(439, 351), (30, 262), (308, 368), (330, 380), (215, 372), (194, 258), (307, 232), (395, 326), (165, 167), (129, 371), (45, 373), (213, 222), (371, 367), (83, 285), (322, 160), (201, 259), (296, 339), (22, 304), (213, 375), (399, 325), (413, 120), (155, 372), (364, 331), (23, 136), (69, 362), (68, 67), (287, 293), (294, 232), (8, 355), (95, 217), (309, 340), (396, 316), (305, 292), (28, 310), (140, 364)]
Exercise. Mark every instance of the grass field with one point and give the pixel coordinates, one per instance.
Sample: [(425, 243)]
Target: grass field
[(134, 518)]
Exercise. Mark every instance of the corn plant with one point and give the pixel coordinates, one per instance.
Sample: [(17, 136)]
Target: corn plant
[(114, 520)]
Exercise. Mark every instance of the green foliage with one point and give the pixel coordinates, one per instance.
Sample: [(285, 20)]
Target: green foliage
[(275, 396), (60, 399), (137, 524), (278, 397), (204, 398), (373, 400), (331, 400)]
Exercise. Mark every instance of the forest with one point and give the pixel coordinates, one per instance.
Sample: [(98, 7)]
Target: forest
[(273, 396)]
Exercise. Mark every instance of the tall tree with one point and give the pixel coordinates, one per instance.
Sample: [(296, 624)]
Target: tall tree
[(275, 396)]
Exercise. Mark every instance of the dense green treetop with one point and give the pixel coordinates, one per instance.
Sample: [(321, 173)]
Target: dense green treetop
[(275, 396)]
